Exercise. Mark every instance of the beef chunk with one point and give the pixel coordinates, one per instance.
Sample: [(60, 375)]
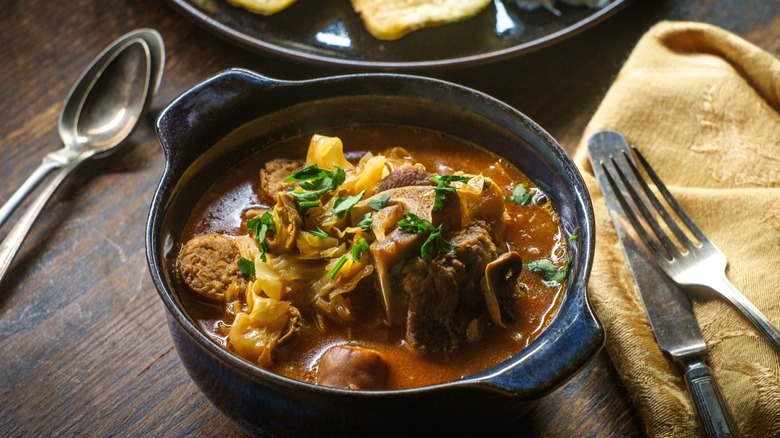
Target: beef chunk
[(447, 295), (352, 367), (429, 324), (208, 264), (274, 173), (405, 176)]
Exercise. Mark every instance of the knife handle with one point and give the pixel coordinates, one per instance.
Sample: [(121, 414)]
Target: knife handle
[(712, 411)]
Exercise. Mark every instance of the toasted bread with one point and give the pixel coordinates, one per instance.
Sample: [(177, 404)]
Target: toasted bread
[(264, 7), (392, 19)]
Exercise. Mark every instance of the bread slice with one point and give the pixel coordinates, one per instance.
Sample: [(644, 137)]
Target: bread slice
[(392, 19), (264, 7)]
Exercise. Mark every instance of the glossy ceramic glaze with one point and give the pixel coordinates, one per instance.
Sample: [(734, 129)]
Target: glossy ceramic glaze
[(214, 125), (330, 32)]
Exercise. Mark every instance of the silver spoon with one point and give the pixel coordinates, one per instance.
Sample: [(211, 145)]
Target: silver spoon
[(100, 112)]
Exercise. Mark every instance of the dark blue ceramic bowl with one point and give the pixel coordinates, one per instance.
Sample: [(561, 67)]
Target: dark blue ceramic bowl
[(210, 128)]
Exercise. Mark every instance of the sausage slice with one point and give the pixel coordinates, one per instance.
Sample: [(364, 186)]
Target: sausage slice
[(208, 264)]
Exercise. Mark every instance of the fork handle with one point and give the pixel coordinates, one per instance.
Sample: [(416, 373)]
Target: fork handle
[(714, 416), (750, 312)]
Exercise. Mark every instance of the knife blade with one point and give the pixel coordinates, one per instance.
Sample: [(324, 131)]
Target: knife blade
[(668, 309)]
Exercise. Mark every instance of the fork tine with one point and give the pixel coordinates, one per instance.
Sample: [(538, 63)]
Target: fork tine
[(662, 211), (671, 200), (670, 250), (629, 213)]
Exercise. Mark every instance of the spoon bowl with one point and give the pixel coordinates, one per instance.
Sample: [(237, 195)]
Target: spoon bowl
[(108, 100), (100, 112)]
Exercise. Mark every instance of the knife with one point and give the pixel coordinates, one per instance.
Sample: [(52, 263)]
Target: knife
[(668, 309)]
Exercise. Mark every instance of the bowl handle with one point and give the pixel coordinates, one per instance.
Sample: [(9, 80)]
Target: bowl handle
[(569, 344), (211, 109)]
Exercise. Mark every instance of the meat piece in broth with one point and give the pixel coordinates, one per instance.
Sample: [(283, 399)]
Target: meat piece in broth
[(352, 367), (274, 173), (391, 249), (405, 176), (208, 265), (448, 295)]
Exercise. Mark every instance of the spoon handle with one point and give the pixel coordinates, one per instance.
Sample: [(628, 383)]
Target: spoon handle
[(47, 165), (13, 241)]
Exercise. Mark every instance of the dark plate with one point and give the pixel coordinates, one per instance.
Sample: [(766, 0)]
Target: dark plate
[(330, 32)]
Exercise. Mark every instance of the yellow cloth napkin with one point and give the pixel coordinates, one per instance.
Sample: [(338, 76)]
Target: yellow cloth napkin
[(702, 105)]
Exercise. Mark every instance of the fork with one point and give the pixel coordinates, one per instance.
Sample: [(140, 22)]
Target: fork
[(694, 264)]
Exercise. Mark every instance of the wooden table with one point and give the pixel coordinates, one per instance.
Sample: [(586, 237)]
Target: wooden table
[(84, 349)]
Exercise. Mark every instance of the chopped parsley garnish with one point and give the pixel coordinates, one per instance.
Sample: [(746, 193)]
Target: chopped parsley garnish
[(434, 245), (520, 195), (548, 270), (304, 206), (260, 226), (412, 223), (435, 242), (337, 267), (378, 204), (366, 223), (358, 249), (319, 233), (443, 186), (313, 174), (246, 267), (343, 205), (314, 182), (574, 237)]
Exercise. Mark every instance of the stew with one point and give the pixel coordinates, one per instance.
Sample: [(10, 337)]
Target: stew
[(373, 257)]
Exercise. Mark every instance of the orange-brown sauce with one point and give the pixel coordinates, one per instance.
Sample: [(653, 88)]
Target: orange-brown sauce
[(533, 231)]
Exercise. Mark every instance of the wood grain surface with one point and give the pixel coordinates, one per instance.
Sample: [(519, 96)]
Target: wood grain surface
[(84, 349)]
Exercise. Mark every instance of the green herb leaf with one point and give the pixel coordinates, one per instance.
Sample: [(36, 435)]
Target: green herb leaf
[(308, 173), (520, 195), (337, 267), (260, 226), (338, 176), (246, 267), (304, 206), (343, 205), (319, 233), (313, 182), (366, 223), (434, 245), (359, 248), (574, 237), (440, 196), (548, 270), (414, 224), (378, 204), (310, 196), (253, 225), (435, 242), (443, 186)]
